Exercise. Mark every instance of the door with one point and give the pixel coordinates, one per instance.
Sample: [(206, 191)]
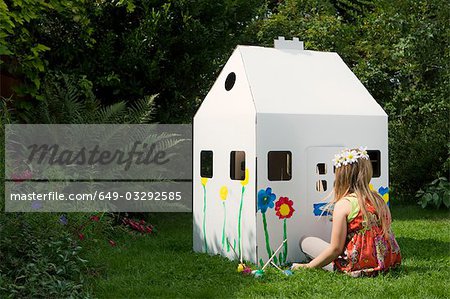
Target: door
[(320, 179)]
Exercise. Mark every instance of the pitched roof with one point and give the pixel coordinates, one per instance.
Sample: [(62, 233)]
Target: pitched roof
[(289, 81)]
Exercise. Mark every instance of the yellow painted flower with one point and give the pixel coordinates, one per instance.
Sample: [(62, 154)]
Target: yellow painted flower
[(245, 181), (386, 197), (223, 192), (204, 181), (371, 187)]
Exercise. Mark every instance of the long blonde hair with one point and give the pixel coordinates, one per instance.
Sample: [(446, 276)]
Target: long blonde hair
[(355, 178)]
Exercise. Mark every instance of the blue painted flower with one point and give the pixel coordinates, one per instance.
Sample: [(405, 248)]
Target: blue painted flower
[(383, 190), (266, 199)]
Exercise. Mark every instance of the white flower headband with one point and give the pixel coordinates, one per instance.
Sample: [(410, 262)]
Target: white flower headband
[(349, 156)]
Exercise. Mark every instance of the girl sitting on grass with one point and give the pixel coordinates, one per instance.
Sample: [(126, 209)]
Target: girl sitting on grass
[(362, 242)]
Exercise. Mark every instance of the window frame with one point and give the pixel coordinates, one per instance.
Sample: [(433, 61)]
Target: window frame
[(234, 165), (289, 160), (201, 164)]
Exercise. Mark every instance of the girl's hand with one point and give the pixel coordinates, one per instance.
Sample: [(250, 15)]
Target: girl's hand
[(296, 266)]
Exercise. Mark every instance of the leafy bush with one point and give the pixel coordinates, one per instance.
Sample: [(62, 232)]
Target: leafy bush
[(128, 49), (436, 194), (39, 258), (22, 51)]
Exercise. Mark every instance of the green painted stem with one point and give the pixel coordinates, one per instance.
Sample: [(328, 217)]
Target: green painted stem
[(239, 221), (285, 245), (224, 223), (269, 251), (204, 219)]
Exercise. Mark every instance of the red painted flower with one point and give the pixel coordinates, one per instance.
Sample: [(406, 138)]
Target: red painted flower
[(112, 243), (284, 208), (81, 236)]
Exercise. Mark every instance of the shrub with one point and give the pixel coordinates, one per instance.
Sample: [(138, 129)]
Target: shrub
[(436, 194), (39, 258)]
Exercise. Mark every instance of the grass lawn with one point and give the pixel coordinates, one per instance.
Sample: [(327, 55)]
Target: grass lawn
[(165, 266)]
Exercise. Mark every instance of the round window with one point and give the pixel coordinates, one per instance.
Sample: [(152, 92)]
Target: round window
[(229, 82)]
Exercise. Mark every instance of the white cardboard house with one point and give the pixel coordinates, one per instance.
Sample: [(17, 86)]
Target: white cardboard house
[(280, 113)]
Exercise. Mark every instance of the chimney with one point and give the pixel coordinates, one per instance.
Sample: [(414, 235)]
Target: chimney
[(282, 44)]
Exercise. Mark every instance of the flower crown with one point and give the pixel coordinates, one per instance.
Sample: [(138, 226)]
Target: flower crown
[(349, 156)]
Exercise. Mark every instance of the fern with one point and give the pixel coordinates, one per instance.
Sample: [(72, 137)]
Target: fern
[(141, 111), (69, 99), (111, 114)]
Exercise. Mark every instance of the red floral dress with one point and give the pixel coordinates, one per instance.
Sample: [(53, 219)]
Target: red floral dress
[(367, 251)]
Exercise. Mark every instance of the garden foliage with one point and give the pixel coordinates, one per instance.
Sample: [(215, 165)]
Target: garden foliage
[(105, 61), (121, 52), (400, 52)]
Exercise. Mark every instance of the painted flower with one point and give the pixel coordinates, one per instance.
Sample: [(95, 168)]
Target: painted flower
[(223, 192), (112, 243), (81, 236), (265, 199), (204, 181), (245, 181), (384, 192), (284, 208)]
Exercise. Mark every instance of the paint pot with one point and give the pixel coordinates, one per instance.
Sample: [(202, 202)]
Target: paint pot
[(240, 268), (247, 270), (258, 273), (287, 272)]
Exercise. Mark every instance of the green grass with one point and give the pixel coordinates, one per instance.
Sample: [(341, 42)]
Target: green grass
[(165, 266)]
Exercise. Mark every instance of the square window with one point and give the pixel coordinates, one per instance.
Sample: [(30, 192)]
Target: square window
[(237, 165), (206, 164), (279, 165), (375, 159), (321, 186), (321, 168)]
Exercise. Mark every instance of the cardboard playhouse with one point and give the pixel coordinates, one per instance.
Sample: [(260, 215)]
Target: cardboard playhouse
[(263, 143)]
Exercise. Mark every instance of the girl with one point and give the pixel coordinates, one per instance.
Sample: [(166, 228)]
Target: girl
[(362, 242)]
